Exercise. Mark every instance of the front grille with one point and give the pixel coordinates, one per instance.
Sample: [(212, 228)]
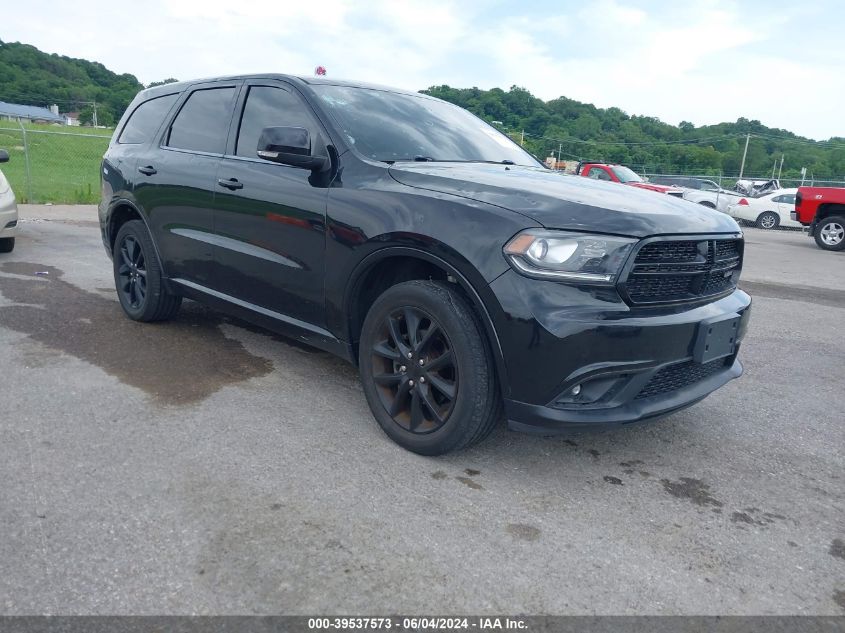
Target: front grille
[(680, 375), (668, 271)]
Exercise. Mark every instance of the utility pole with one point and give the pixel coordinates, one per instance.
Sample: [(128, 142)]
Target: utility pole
[(774, 167), (780, 169), (559, 150), (522, 138), (744, 152), (94, 117)]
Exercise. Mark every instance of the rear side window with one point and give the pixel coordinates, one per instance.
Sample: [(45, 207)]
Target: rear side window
[(271, 107), (203, 122), (145, 120)]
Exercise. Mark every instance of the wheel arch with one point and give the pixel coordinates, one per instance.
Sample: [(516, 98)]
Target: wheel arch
[(393, 264), (828, 209), (122, 211)]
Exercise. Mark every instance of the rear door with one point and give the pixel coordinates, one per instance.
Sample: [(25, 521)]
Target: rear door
[(270, 218), (176, 181)]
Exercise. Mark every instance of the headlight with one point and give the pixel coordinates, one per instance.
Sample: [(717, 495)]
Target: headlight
[(565, 256)]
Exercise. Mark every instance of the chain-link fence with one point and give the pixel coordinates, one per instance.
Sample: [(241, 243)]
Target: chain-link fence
[(729, 181), (53, 165)]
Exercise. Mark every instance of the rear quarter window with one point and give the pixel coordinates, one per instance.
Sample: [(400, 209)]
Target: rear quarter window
[(145, 120)]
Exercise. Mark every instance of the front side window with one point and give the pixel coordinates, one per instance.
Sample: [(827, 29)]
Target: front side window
[(391, 126), (597, 173), (146, 118), (270, 107), (786, 198), (203, 122), (708, 185)]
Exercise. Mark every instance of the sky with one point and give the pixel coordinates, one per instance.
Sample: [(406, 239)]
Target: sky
[(703, 61)]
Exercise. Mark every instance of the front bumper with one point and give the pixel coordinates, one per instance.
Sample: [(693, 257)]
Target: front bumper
[(625, 364), (8, 215)]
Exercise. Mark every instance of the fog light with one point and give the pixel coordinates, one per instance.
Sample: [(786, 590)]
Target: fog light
[(576, 390)]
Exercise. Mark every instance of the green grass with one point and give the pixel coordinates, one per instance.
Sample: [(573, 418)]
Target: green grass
[(64, 162)]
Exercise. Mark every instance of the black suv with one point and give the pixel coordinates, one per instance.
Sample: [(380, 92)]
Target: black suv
[(409, 237)]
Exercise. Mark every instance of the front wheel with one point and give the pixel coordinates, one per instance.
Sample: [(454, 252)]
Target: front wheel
[(138, 277), (426, 369), (768, 220), (830, 233), (7, 244)]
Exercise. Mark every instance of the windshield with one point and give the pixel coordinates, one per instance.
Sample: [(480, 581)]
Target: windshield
[(390, 126), (625, 175)]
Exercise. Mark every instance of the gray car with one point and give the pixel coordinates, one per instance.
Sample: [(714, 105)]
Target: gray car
[(8, 210)]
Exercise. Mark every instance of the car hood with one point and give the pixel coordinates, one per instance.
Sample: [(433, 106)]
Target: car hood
[(561, 201)]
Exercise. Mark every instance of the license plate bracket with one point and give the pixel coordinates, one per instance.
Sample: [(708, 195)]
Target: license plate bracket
[(716, 338)]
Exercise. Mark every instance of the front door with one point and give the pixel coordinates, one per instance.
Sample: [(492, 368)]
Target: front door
[(269, 219)]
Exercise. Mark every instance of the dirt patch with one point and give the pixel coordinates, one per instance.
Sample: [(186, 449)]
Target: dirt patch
[(693, 490), (179, 362), (523, 531), (613, 480)]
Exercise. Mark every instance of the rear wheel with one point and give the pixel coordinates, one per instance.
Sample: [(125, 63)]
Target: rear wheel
[(768, 220), (830, 233), (426, 369), (138, 277), (7, 244)]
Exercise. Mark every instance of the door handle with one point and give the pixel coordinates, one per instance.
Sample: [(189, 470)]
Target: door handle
[(232, 183), (149, 170)]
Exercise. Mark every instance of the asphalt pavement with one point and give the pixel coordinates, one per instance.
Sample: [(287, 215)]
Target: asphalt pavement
[(204, 466)]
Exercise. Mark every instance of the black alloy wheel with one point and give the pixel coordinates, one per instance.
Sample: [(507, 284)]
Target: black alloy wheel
[(138, 277), (427, 369), (132, 272), (414, 367)]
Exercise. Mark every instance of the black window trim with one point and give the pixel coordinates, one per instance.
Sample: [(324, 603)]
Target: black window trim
[(164, 134), (240, 106)]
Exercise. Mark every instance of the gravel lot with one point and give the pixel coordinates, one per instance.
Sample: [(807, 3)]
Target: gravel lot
[(203, 466)]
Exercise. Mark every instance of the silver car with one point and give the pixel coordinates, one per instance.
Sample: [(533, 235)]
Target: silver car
[(8, 210)]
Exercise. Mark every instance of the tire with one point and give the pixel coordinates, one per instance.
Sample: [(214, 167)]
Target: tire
[(451, 355), (7, 244), (138, 277), (830, 233), (767, 220)]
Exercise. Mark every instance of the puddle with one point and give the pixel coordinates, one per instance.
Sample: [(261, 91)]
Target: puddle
[(177, 362)]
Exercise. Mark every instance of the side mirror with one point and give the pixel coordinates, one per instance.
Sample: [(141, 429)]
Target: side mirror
[(289, 146), (4, 156)]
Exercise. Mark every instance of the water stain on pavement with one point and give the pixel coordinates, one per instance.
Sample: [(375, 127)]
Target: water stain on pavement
[(613, 480), (179, 362), (694, 490), (839, 598), (469, 483), (472, 472), (753, 516), (438, 474), (837, 548), (523, 531)]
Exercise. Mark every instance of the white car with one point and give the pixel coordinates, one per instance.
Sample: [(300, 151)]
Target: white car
[(701, 191), (8, 210), (767, 212)]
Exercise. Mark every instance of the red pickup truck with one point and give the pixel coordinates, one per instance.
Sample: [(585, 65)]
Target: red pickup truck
[(625, 175), (823, 210)]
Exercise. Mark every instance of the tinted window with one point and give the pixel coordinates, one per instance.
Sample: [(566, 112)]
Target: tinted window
[(787, 198), (391, 126), (597, 173), (203, 122), (145, 120), (270, 107)]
